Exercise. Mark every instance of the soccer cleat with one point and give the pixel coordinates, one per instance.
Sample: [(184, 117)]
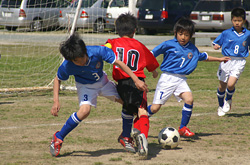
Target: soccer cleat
[(220, 111), (227, 105), (185, 132), (135, 132), (55, 145), (142, 146), (127, 143)]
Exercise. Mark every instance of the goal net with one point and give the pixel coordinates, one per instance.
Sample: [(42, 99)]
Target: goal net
[(29, 42)]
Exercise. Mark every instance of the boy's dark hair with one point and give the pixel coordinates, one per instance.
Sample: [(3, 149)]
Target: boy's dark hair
[(126, 24), (238, 12), (73, 47), (184, 24)]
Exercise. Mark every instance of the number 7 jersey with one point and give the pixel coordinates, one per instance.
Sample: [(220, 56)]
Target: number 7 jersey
[(134, 54)]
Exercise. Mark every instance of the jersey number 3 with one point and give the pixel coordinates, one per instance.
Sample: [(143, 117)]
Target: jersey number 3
[(132, 58)]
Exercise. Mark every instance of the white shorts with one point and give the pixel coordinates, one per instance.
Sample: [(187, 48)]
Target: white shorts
[(87, 93), (233, 68), (169, 84)]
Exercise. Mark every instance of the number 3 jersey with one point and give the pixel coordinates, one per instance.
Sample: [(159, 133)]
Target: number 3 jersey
[(134, 54), (93, 69), (178, 59), (233, 43)]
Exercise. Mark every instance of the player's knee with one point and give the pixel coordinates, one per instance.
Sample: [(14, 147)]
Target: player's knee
[(155, 108), (83, 112)]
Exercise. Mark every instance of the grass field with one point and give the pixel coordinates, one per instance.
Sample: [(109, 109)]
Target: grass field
[(26, 127)]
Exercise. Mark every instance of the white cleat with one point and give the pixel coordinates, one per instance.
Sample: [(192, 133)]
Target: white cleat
[(227, 105), (221, 112)]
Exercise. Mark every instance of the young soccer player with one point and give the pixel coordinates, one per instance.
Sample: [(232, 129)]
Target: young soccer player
[(235, 43), (86, 64), (137, 57), (180, 59)]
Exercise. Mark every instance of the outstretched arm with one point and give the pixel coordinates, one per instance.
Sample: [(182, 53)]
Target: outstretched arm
[(138, 83), (222, 59), (155, 74), (56, 106)]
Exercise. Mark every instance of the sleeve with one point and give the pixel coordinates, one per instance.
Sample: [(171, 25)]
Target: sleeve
[(160, 49), (62, 73), (108, 44), (219, 40), (107, 54), (203, 56)]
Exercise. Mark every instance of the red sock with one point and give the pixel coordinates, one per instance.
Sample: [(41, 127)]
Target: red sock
[(144, 125), (137, 123)]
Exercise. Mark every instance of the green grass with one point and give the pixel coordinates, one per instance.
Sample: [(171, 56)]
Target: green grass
[(26, 126)]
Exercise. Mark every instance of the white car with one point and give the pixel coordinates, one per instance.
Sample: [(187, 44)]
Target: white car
[(92, 15), (216, 14), (117, 7)]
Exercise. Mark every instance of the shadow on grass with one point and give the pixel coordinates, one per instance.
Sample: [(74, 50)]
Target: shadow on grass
[(92, 153), (198, 135), (155, 148), (238, 114), (6, 103)]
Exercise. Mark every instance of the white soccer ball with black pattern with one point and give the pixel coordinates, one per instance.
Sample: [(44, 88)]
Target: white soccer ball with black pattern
[(169, 138)]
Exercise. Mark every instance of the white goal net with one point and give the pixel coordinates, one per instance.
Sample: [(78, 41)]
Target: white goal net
[(30, 34)]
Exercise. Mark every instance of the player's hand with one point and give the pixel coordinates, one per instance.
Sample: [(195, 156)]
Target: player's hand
[(141, 85), (225, 59), (155, 74), (216, 47), (55, 109)]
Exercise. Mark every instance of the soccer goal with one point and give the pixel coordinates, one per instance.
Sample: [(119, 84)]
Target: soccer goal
[(29, 53)]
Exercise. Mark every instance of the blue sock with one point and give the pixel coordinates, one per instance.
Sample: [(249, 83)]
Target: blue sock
[(70, 124), (229, 94), (220, 96), (186, 114), (127, 122), (150, 113)]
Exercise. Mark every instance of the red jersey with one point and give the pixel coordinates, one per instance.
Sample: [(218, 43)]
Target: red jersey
[(135, 55)]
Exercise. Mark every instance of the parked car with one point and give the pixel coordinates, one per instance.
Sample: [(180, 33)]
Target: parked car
[(92, 15), (117, 7), (33, 14), (161, 15), (214, 15)]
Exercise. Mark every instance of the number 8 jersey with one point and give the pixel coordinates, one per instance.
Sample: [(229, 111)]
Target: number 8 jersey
[(134, 54), (233, 43)]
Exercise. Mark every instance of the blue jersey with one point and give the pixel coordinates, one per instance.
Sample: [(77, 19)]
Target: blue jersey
[(92, 71), (178, 59), (234, 44)]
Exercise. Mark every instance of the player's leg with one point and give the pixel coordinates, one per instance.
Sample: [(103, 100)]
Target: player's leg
[(70, 124), (229, 93), (125, 138), (221, 95), (87, 96), (187, 97)]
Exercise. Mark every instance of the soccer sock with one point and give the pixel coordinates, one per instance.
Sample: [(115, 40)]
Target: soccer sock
[(150, 113), (220, 96), (144, 125), (70, 124), (229, 94), (186, 114), (127, 122)]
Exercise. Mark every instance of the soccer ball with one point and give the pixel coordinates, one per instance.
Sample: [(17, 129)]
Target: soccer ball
[(169, 138)]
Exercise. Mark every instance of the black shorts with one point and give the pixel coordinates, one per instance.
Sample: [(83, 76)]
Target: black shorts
[(132, 97)]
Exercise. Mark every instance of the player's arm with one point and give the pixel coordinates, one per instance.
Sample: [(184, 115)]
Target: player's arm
[(138, 83), (56, 106), (222, 59), (155, 74)]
